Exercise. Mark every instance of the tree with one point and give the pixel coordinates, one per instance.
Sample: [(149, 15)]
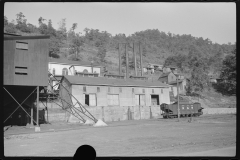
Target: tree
[(199, 75), (102, 53), (75, 47), (22, 23), (5, 21), (228, 73), (10, 28), (62, 28)]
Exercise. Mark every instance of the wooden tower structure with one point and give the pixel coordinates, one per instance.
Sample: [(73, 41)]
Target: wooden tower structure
[(25, 74)]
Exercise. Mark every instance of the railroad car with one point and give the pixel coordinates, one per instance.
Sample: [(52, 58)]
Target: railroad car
[(186, 109)]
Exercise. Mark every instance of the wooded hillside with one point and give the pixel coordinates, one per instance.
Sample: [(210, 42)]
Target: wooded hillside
[(187, 52)]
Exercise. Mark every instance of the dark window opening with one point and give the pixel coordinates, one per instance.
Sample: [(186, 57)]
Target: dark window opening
[(108, 89), (19, 73), (152, 90), (54, 71), (87, 99), (120, 90), (154, 99), (98, 89), (64, 71), (143, 90), (132, 90)]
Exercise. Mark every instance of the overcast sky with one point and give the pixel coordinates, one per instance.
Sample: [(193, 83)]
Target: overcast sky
[(216, 21)]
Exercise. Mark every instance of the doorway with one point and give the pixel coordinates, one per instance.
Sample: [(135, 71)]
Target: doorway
[(154, 99)]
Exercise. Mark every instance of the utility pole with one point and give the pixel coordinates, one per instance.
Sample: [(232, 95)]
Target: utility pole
[(120, 62), (178, 100), (135, 61), (140, 58), (126, 53)]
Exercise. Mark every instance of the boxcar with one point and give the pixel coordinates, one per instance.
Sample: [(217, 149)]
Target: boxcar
[(186, 109)]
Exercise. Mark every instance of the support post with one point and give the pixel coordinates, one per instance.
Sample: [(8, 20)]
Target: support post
[(135, 61), (140, 51), (37, 106), (126, 53), (120, 61), (178, 100), (32, 115)]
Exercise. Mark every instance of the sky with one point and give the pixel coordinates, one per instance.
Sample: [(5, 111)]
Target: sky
[(215, 21)]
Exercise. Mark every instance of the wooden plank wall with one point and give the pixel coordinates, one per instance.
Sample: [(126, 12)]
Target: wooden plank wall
[(34, 62), (9, 49)]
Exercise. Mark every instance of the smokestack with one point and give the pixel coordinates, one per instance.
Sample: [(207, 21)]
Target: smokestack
[(126, 53), (120, 61), (140, 50), (135, 61)]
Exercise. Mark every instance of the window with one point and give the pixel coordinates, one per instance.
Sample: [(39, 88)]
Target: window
[(143, 90), (172, 88), (85, 71), (64, 71), (120, 90), (98, 89), (161, 90), (90, 99), (53, 71), (113, 99), (21, 70), (139, 99), (108, 89), (132, 90), (152, 90), (84, 89), (22, 45)]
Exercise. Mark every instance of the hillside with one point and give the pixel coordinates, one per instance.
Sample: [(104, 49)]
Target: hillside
[(186, 52)]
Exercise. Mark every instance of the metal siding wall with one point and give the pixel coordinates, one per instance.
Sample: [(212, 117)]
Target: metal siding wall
[(165, 96), (9, 52), (35, 59), (77, 91), (102, 96), (126, 97)]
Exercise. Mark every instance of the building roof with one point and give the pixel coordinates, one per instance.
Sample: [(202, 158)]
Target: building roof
[(165, 74), (103, 81), (170, 67), (175, 82), (76, 63), (15, 37), (11, 34)]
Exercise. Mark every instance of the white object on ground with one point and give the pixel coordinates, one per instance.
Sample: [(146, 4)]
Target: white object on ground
[(89, 122), (99, 123), (37, 129)]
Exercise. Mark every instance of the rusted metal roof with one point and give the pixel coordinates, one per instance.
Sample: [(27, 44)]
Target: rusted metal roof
[(103, 81)]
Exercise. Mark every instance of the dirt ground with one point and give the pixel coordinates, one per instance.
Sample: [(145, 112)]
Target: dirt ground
[(208, 135)]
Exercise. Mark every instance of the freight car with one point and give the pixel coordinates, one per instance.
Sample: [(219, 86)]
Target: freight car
[(186, 109)]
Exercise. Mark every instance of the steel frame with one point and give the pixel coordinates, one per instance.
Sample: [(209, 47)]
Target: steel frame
[(19, 105), (76, 112)]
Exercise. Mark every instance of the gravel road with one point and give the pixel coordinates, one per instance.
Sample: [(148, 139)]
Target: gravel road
[(211, 135)]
